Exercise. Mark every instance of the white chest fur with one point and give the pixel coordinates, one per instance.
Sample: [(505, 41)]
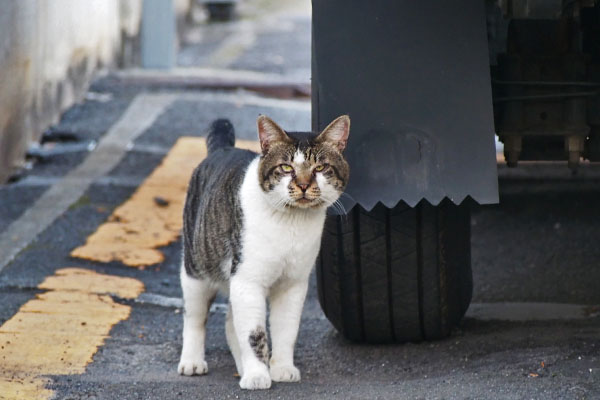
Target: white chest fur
[(276, 242)]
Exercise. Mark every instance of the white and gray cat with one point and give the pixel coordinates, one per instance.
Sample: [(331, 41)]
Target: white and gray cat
[(252, 229)]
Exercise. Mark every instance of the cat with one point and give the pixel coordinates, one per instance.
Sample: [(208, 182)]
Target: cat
[(252, 229)]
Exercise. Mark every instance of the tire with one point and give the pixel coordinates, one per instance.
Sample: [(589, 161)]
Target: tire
[(396, 275)]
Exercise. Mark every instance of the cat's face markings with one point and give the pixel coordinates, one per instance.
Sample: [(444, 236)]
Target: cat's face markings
[(303, 170)]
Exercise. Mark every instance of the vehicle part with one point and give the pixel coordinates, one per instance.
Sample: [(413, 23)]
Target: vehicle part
[(396, 275), (414, 78)]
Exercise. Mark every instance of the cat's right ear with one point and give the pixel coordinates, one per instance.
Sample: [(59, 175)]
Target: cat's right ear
[(336, 132), (269, 132)]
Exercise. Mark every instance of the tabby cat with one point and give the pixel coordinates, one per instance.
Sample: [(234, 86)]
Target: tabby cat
[(252, 229)]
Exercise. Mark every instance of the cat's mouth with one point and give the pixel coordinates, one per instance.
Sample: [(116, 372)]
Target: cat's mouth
[(305, 202)]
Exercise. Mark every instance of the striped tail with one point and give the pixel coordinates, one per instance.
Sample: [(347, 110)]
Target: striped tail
[(221, 134)]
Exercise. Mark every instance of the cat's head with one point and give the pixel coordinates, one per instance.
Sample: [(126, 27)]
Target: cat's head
[(303, 170)]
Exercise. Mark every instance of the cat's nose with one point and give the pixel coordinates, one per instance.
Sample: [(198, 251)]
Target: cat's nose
[(303, 186)]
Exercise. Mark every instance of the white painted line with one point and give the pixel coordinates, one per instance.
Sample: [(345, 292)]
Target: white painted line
[(518, 312), (160, 300), (150, 149), (514, 312), (140, 115), (174, 302)]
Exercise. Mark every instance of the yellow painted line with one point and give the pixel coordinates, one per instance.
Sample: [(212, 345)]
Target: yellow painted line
[(59, 331), (152, 217)]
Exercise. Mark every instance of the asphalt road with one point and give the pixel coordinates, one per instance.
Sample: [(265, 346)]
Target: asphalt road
[(539, 245)]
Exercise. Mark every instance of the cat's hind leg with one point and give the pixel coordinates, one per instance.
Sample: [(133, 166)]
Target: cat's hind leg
[(198, 294), (232, 341)]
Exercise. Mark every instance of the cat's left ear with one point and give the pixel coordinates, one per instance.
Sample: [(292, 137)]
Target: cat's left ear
[(336, 132), (269, 132)]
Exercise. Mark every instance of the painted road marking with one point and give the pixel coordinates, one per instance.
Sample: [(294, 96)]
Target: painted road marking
[(505, 311), (140, 115), (59, 331), (525, 311), (514, 312), (152, 217), (234, 45)]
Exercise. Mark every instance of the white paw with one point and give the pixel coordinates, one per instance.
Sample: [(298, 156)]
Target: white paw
[(285, 373), (256, 379), (192, 367)]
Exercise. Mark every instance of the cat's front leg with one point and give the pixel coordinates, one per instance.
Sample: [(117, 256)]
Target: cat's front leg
[(248, 304), (287, 300)]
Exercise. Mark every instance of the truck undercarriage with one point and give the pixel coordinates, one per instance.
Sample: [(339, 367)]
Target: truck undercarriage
[(427, 85), (545, 67)]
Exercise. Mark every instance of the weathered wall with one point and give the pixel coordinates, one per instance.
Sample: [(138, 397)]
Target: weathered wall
[(48, 53)]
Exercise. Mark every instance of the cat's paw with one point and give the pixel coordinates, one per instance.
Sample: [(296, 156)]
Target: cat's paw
[(192, 367), (256, 379), (285, 373)]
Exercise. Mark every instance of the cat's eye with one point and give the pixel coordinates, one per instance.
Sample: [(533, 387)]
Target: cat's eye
[(286, 168), (320, 168)]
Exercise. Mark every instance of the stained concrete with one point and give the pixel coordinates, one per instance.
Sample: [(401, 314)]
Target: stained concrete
[(49, 53)]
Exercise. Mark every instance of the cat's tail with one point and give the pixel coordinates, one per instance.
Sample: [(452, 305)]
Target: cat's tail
[(221, 134)]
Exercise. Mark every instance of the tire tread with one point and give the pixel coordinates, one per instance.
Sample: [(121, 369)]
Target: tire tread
[(396, 275)]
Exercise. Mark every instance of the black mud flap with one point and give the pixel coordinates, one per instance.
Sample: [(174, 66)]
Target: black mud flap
[(414, 78)]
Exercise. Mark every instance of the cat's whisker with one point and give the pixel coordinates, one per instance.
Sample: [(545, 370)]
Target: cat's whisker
[(338, 204), (278, 204), (331, 203), (348, 196), (345, 214)]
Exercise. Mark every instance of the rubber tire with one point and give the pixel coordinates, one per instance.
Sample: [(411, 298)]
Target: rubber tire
[(396, 275)]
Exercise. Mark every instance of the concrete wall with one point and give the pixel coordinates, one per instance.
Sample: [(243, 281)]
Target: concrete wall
[(49, 50)]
